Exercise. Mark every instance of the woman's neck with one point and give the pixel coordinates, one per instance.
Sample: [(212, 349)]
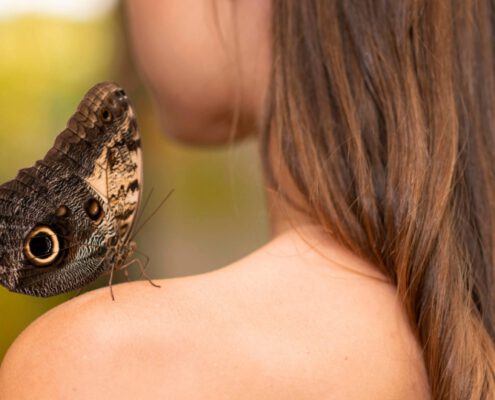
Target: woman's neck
[(289, 222)]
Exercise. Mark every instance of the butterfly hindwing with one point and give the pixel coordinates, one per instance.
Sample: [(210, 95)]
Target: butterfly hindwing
[(68, 218)]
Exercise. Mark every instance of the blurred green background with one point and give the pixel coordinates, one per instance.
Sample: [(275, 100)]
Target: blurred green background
[(47, 62)]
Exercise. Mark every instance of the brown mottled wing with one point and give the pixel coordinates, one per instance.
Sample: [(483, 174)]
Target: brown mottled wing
[(97, 158), (109, 161)]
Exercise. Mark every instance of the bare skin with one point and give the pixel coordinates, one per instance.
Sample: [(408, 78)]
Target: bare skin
[(300, 318), (284, 323)]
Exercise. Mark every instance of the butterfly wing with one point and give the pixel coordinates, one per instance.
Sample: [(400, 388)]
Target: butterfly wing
[(62, 219), (115, 168)]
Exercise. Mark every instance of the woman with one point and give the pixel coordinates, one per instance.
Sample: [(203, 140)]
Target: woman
[(377, 130)]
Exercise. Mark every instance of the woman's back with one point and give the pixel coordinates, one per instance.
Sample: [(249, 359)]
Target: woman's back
[(278, 324)]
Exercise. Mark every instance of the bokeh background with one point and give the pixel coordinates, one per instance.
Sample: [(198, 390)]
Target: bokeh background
[(51, 53)]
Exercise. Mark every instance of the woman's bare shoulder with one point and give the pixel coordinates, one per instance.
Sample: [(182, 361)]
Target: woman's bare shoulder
[(256, 329), (92, 345)]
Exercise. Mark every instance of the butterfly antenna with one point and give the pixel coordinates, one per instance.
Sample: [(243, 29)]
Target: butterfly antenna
[(152, 214), (145, 204)]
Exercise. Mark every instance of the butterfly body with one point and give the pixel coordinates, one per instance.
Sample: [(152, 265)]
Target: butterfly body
[(69, 218)]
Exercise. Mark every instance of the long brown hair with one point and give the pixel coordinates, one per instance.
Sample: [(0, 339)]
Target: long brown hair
[(384, 111)]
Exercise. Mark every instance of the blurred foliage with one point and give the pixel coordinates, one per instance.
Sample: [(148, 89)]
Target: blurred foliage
[(216, 213)]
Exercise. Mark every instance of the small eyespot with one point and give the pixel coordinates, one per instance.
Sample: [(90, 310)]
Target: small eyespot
[(62, 211), (106, 115), (94, 210), (41, 246)]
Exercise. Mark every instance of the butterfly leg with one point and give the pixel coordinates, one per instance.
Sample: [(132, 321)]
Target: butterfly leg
[(110, 283), (125, 268), (142, 268)]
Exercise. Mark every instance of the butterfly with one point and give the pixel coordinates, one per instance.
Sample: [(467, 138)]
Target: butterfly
[(70, 217)]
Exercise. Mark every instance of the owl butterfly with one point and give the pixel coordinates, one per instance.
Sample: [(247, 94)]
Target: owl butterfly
[(69, 218)]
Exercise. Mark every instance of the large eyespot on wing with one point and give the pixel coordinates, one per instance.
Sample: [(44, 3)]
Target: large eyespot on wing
[(43, 247), (101, 137)]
